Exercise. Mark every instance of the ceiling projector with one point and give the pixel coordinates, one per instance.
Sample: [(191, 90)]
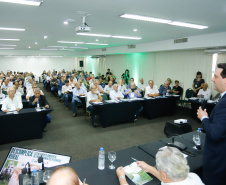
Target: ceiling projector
[(84, 27)]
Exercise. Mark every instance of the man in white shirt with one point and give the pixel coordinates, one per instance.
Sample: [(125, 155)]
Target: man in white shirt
[(98, 87), (92, 96), (29, 83), (65, 91), (72, 82), (121, 86), (77, 91), (82, 85), (6, 85), (31, 91), (141, 85), (12, 102), (116, 94), (205, 91), (108, 88), (171, 169), (151, 90)]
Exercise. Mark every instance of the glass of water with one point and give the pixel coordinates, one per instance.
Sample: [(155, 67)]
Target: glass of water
[(46, 175), (197, 140), (112, 158)]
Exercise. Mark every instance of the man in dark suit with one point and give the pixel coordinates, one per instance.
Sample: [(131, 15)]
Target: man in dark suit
[(41, 100), (214, 156)]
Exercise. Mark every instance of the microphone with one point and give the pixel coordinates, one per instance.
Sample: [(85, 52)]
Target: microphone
[(204, 103), (26, 170), (40, 160)]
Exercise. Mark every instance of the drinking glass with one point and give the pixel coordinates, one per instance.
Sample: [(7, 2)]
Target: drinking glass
[(112, 158), (197, 140), (46, 175)]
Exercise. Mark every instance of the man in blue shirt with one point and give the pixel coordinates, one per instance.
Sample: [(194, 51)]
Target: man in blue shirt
[(77, 91), (165, 89)]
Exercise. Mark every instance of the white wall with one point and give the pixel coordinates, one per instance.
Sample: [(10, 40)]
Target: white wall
[(36, 65)]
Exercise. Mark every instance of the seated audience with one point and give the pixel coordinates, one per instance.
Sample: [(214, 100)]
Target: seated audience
[(164, 89), (98, 87), (66, 95), (82, 85), (2, 96), (54, 86), (29, 82), (12, 102), (72, 82), (64, 176), (169, 80), (61, 82), (6, 85), (121, 86), (171, 168), (108, 88), (115, 94), (101, 83), (151, 90), (177, 89), (37, 98), (31, 92), (77, 91), (132, 92), (205, 91), (18, 89), (93, 96), (130, 81), (141, 85)]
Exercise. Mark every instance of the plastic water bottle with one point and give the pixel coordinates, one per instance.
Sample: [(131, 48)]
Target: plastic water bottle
[(34, 177), (199, 133), (37, 104), (101, 159)]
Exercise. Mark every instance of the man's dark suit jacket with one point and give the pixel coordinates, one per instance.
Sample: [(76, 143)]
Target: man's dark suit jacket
[(42, 101), (214, 157)]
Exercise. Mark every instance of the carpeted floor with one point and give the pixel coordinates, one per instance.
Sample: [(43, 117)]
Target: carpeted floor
[(77, 138)]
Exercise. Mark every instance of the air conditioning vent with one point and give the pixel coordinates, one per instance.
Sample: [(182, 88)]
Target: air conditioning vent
[(131, 46), (104, 49), (176, 41)]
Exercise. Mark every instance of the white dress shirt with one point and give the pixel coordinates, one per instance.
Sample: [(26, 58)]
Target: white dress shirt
[(149, 90), (66, 88), (192, 179), (77, 92), (207, 93), (9, 104), (114, 95), (142, 86), (90, 96), (31, 93), (122, 88), (6, 87), (107, 88), (20, 90)]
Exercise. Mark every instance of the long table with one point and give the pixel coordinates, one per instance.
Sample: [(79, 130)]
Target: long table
[(195, 163), (27, 124), (124, 111)]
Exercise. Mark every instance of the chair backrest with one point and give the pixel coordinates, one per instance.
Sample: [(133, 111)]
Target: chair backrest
[(104, 97), (189, 93)]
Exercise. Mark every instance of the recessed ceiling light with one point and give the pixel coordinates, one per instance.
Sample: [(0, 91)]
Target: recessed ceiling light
[(165, 21), (134, 29), (70, 42), (56, 56), (93, 35), (7, 48), (24, 2), (97, 40), (65, 22), (29, 47), (47, 49), (36, 42), (96, 44), (7, 45), (183, 24), (12, 29), (57, 46), (10, 39), (45, 37), (125, 37), (144, 18), (79, 47)]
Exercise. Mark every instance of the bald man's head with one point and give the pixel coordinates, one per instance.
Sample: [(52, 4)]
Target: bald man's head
[(63, 176)]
